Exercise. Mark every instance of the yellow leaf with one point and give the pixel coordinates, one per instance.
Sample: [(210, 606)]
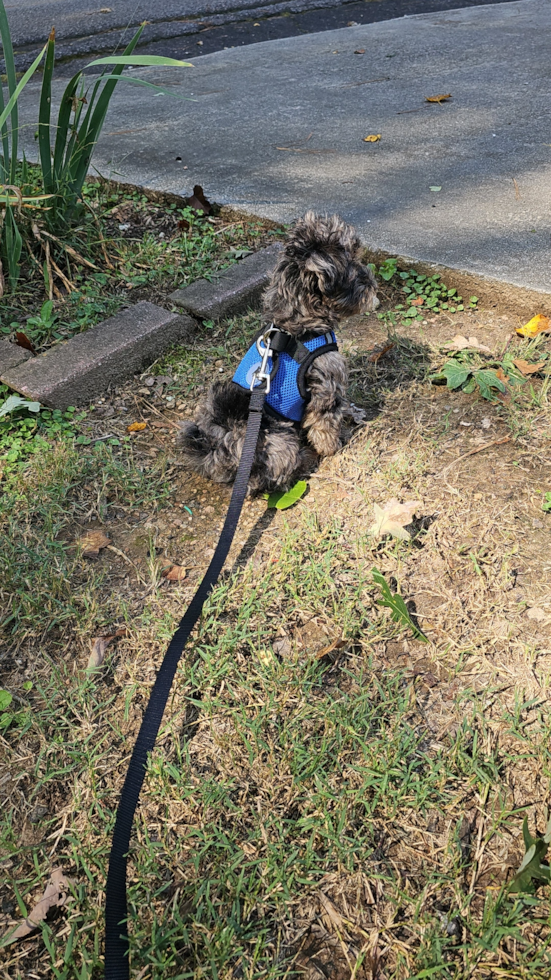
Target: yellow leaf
[(437, 98), (137, 427), (372, 139), (538, 324)]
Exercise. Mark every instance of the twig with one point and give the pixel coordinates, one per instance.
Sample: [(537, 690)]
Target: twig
[(479, 449)]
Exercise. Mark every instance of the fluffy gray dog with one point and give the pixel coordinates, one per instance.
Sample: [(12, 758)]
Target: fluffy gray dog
[(319, 278)]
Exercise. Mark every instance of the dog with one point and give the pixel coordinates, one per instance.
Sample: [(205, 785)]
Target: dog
[(319, 278)]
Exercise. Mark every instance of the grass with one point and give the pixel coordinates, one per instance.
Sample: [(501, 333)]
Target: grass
[(355, 814)]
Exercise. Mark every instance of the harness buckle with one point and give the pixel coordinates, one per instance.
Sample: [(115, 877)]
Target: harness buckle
[(261, 374)]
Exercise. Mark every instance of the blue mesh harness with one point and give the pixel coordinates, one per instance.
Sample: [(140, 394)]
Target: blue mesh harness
[(288, 393)]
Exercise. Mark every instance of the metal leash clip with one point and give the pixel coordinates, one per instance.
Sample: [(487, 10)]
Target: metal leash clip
[(263, 347)]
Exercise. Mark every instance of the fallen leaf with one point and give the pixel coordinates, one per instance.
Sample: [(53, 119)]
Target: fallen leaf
[(435, 188), (372, 139), (500, 373), (92, 542), (55, 896), (463, 343), (281, 500), (22, 340), (418, 302), (393, 518), (337, 644), (99, 646), (333, 915), (377, 354), (360, 51), (437, 98), (175, 573), (526, 368), (136, 427), (538, 324), (198, 201)]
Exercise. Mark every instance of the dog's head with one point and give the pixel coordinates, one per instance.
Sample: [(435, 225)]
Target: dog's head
[(319, 277)]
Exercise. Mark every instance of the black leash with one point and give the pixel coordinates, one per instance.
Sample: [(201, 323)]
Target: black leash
[(117, 966)]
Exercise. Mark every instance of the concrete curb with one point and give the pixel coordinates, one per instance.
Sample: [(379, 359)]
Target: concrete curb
[(78, 370), (236, 290)]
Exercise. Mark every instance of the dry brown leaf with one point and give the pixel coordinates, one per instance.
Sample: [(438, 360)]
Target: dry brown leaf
[(92, 542), (538, 324), (437, 98), (175, 573), (55, 896), (393, 518), (377, 354), (418, 302), (360, 51), (198, 201), (500, 373), (337, 644), (22, 340), (374, 138), (99, 646), (333, 914), (463, 343), (526, 368), (136, 427)]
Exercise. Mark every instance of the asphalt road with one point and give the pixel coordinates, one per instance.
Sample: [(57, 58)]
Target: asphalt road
[(189, 28)]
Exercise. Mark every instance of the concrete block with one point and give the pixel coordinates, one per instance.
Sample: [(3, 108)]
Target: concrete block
[(76, 371), (11, 355), (236, 290)]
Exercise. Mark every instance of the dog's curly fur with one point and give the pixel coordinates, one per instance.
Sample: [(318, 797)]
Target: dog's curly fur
[(318, 279)]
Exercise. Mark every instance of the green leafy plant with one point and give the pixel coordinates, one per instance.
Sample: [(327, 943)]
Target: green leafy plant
[(532, 872), (281, 500), (22, 434), (546, 504), (12, 200), (15, 401), (398, 609), (65, 161), (6, 716), (387, 270), (423, 295), (65, 146), (41, 326), (456, 375)]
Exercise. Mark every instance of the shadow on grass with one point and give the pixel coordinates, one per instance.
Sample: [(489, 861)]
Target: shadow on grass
[(406, 362)]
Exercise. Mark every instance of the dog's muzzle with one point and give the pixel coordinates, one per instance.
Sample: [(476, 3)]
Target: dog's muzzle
[(372, 304)]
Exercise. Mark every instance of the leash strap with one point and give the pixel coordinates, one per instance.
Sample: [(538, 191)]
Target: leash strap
[(117, 966)]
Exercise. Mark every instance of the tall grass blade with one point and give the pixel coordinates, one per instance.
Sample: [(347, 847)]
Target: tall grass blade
[(12, 101), (10, 158), (141, 61), (13, 245), (44, 114)]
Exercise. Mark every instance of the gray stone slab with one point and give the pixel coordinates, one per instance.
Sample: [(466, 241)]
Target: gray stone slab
[(278, 127), (235, 291), (11, 355), (76, 371)]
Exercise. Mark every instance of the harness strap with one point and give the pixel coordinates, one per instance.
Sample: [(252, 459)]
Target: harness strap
[(117, 965)]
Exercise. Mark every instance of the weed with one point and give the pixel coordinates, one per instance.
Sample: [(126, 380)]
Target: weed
[(423, 295)]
